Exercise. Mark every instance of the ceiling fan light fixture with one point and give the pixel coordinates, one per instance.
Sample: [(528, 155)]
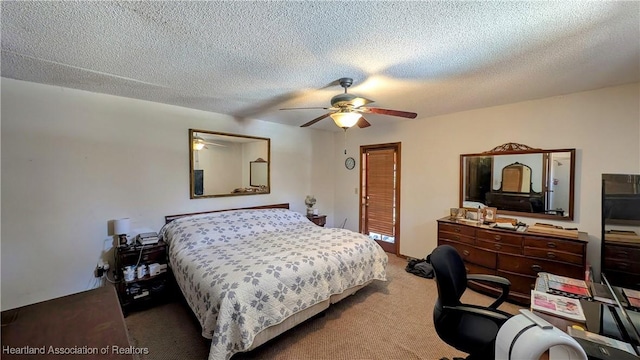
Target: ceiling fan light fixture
[(198, 145), (346, 119)]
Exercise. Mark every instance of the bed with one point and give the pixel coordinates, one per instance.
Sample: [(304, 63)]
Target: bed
[(251, 274)]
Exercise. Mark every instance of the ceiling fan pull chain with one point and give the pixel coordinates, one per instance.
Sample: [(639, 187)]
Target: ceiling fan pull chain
[(345, 141)]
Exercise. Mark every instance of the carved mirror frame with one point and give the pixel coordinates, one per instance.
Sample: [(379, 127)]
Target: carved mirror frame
[(541, 190)]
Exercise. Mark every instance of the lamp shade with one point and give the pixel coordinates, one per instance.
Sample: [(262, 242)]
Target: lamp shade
[(345, 119), (198, 145), (121, 226)]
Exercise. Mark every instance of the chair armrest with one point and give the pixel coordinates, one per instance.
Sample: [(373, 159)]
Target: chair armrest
[(498, 317), (504, 283)]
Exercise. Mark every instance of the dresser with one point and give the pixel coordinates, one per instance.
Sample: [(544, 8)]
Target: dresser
[(621, 263), (517, 256), (319, 220), (621, 229)]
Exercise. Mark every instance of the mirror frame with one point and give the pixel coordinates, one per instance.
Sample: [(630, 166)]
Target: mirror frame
[(192, 194), (517, 149)]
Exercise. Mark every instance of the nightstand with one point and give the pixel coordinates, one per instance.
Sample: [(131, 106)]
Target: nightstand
[(319, 220), (147, 283)]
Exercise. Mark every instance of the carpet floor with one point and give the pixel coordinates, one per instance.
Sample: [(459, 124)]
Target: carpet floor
[(385, 320)]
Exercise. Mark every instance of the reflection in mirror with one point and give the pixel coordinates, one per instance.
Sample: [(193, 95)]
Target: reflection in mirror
[(222, 164), (519, 180), (258, 172)]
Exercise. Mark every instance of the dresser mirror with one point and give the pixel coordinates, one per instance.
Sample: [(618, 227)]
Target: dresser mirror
[(520, 180), (621, 229), (224, 164)]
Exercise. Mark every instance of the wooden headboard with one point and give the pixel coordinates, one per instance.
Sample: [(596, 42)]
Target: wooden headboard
[(170, 218)]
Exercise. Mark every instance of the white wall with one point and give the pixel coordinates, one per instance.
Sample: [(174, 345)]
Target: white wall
[(73, 160), (603, 125)]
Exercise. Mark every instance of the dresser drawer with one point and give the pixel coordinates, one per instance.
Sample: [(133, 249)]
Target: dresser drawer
[(456, 237), (555, 244), (626, 266), (497, 246), (500, 237), (519, 283), (531, 267), (458, 229), (623, 279), (476, 269), (474, 255), (621, 252), (551, 254)]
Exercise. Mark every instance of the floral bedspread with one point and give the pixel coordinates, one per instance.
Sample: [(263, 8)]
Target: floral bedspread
[(245, 270)]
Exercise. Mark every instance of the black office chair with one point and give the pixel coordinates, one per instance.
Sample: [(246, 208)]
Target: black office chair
[(468, 328)]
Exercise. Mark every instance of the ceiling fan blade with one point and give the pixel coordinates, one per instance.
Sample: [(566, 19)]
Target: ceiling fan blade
[(315, 120), (363, 123), (399, 113)]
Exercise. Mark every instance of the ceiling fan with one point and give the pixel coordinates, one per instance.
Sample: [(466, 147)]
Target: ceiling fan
[(346, 109), (200, 143)]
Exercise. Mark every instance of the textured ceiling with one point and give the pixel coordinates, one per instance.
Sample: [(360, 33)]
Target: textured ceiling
[(248, 59)]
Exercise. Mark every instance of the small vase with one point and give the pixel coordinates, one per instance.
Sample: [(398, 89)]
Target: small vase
[(309, 211)]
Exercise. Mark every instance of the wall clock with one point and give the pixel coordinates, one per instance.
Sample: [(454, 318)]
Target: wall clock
[(350, 163)]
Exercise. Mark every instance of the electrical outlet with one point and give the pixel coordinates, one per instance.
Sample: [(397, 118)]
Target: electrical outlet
[(101, 268)]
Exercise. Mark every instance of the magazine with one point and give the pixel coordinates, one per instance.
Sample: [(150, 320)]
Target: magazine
[(567, 280), (566, 286), (568, 290), (633, 297), (560, 306)]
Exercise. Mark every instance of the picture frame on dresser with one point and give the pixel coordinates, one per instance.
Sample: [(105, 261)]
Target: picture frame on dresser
[(490, 214), (457, 213), (471, 213)]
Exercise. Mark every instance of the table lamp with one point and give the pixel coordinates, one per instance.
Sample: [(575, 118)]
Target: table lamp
[(121, 228)]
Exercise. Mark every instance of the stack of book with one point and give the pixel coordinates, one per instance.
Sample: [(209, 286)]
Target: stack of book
[(566, 286), (148, 238)]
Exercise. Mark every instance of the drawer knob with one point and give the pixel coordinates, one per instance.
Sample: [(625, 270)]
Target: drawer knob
[(623, 254), (551, 245), (457, 237), (536, 268), (465, 252), (622, 266), (497, 246), (456, 229), (497, 237), (551, 255)]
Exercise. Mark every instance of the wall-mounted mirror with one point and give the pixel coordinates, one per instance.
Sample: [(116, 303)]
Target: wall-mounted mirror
[(224, 164), (258, 171), (519, 180)]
